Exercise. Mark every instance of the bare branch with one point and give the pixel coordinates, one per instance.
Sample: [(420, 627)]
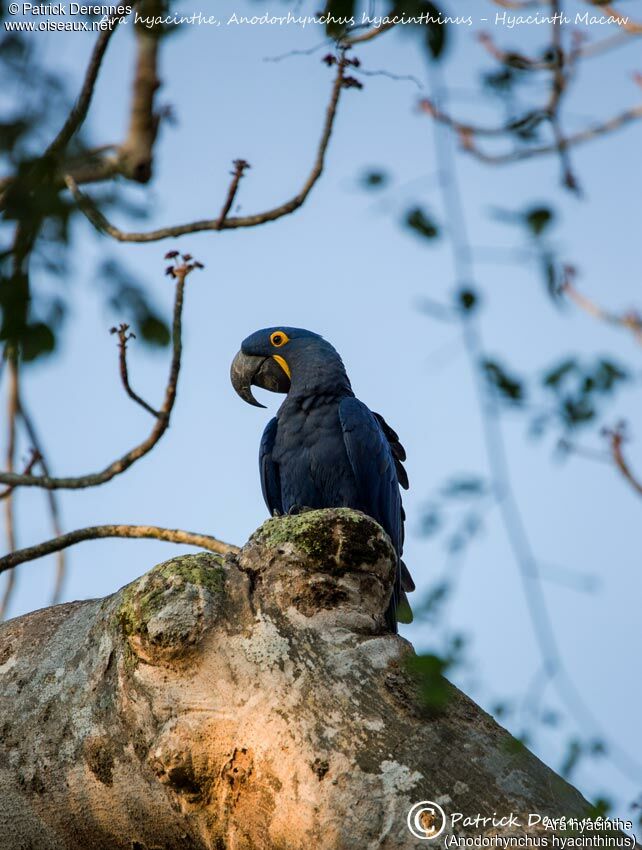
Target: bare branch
[(51, 496), (511, 57), (135, 155), (466, 132), (9, 516), (161, 425), (96, 532), (123, 339), (565, 445), (561, 70), (588, 51), (240, 166), (81, 107), (78, 112), (633, 27), (616, 438), (33, 460), (560, 66), (101, 223), (630, 320), (133, 158)]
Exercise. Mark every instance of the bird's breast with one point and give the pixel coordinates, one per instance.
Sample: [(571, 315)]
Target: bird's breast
[(309, 449)]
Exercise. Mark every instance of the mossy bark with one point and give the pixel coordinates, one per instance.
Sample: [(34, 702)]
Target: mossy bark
[(256, 702)]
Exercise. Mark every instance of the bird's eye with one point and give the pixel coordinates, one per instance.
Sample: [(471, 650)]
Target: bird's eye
[(278, 338)]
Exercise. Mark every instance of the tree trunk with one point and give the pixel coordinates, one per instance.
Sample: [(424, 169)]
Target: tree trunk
[(255, 702)]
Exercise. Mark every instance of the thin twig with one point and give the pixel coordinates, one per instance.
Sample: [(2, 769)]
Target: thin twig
[(102, 224), (33, 460), (95, 532), (462, 129), (616, 437), (559, 83), (390, 75), (561, 67), (25, 235), (121, 464), (309, 51), (240, 166), (466, 133), (9, 515), (568, 447), (630, 320), (510, 57), (123, 338), (50, 495), (632, 27)]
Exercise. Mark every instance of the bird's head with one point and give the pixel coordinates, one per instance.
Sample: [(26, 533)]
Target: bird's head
[(270, 358)]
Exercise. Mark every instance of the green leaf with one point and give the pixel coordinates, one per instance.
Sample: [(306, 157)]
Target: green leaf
[(538, 219), (574, 753), (600, 808), (374, 179), (36, 340), (128, 299), (464, 486), (434, 31), (12, 131), (555, 376), (500, 82), (339, 16), (421, 223), (430, 522), (607, 375), (154, 330), (467, 299), (428, 672), (433, 601), (509, 387)]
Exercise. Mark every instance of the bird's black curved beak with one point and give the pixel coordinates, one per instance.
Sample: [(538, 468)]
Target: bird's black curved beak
[(263, 372)]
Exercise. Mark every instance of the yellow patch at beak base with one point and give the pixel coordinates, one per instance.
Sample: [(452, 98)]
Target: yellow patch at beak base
[(281, 361)]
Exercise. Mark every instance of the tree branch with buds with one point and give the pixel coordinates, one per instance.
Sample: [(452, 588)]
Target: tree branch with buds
[(180, 269), (223, 222)]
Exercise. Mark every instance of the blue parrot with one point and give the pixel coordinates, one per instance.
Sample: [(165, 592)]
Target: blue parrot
[(324, 448)]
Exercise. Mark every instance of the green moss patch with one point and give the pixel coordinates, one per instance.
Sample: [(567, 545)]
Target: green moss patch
[(143, 599), (337, 534)]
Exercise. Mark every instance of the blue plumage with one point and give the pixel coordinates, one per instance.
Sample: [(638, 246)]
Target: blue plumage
[(325, 448)]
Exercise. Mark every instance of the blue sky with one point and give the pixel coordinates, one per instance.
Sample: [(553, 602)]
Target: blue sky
[(343, 266)]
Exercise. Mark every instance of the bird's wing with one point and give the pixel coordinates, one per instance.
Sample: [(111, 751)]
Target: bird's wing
[(373, 464), (398, 451), (270, 481), (399, 454)]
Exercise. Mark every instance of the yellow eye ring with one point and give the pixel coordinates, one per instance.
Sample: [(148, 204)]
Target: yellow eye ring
[(278, 339)]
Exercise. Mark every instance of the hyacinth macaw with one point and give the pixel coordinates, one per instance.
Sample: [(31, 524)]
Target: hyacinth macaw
[(324, 448)]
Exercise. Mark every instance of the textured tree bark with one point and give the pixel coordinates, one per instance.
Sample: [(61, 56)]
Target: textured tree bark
[(251, 702)]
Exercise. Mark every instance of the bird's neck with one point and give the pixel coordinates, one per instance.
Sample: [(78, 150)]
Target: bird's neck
[(310, 378)]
